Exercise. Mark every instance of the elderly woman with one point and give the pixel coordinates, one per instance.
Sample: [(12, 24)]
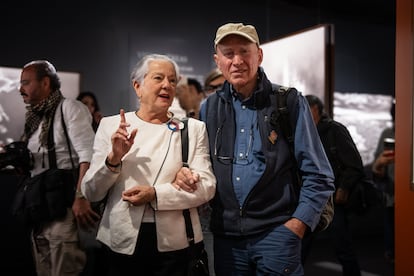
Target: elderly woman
[(136, 158)]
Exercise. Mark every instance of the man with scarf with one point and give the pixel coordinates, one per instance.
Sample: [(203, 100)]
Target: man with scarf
[(55, 244)]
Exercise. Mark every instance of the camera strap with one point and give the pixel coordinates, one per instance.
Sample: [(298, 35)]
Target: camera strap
[(51, 142)]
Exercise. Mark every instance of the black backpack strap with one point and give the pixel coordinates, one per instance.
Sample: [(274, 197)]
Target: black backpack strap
[(51, 145), (282, 93), (51, 141), (67, 136), (284, 122)]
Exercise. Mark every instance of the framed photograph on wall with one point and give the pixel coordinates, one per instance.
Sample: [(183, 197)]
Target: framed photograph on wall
[(304, 60)]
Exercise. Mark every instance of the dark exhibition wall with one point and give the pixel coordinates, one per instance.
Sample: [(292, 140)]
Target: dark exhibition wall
[(103, 41)]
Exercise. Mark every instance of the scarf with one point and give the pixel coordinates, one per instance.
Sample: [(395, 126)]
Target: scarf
[(43, 111)]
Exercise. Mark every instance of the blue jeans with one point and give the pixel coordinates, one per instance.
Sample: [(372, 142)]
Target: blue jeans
[(276, 252)]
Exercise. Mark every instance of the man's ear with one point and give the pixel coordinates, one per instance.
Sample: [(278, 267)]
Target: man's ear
[(260, 55), (45, 82), (216, 61)]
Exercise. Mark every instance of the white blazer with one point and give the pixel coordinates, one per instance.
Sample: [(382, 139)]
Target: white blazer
[(156, 151)]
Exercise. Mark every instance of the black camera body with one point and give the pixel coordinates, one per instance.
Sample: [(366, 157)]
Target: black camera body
[(17, 155)]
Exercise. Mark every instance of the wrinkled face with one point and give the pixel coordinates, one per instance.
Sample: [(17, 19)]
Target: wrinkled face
[(239, 59), (157, 91), (32, 90)]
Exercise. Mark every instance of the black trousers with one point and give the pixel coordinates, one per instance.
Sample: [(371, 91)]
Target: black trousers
[(147, 260)]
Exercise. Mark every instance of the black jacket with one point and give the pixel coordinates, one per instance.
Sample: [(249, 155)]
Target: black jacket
[(342, 153)]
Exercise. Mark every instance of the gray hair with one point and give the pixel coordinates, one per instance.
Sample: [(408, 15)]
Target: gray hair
[(141, 68)]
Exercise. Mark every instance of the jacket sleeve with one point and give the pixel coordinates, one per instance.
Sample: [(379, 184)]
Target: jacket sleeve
[(98, 178), (78, 122)]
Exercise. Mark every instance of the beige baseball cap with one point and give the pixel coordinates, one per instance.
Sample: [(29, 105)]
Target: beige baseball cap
[(247, 31)]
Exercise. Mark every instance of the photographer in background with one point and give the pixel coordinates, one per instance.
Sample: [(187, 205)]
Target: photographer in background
[(55, 243)]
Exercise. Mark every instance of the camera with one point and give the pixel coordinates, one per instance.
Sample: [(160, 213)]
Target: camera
[(17, 155)]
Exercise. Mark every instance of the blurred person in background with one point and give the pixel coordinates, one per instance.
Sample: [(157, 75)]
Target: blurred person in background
[(346, 163), (190, 94), (55, 244), (213, 81), (90, 100)]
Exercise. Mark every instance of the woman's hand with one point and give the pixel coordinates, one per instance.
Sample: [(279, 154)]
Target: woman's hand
[(139, 195), (122, 141)]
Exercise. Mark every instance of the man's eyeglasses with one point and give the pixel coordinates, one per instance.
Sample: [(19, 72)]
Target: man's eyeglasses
[(217, 146), (243, 158)]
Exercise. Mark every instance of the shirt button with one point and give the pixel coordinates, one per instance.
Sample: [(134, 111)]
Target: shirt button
[(238, 178), (242, 130)]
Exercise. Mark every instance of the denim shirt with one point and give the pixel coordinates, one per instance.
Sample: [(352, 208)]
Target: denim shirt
[(248, 160)]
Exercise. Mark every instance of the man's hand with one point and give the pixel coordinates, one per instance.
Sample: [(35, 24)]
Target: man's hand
[(84, 214), (385, 158), (186, 180), (296, 226)]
